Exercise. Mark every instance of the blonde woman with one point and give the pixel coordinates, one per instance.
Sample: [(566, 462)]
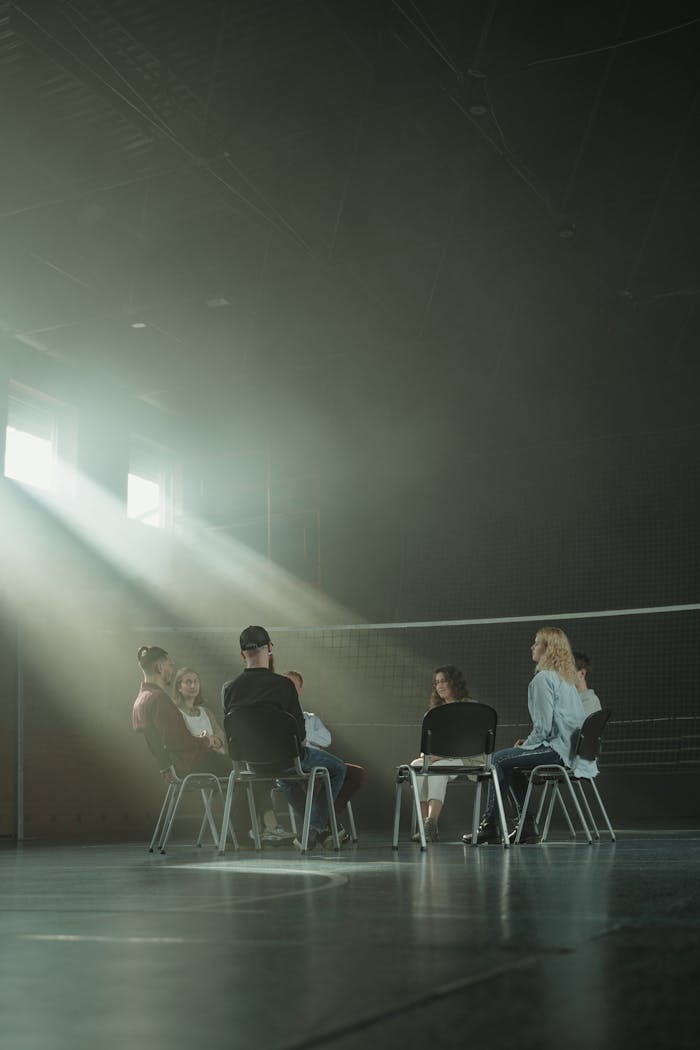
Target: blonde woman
[(556, 711)]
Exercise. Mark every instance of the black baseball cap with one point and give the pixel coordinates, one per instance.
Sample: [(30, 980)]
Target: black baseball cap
[(254, 638)]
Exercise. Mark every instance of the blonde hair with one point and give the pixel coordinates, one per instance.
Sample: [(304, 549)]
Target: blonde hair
[(557, 655)]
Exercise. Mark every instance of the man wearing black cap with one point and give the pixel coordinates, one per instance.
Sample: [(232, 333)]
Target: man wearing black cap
[(260, 685)]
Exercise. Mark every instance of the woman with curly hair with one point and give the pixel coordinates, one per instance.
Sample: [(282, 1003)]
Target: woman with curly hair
[(449, 687), (557, 712)]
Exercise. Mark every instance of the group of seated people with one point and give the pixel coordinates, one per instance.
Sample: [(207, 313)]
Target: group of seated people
[(559, 700), (172, 703)]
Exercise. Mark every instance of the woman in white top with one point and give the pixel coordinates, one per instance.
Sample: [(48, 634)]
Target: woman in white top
[(449, 687), (197, 714)]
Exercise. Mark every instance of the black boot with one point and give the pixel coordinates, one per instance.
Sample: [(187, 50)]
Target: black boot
[(488, 831), (531, 833)]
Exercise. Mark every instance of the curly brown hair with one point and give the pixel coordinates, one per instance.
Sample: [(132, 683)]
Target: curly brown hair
[(456, 682)]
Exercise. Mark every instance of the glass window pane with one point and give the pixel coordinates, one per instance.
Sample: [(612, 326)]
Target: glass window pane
[(30, 459), (144, 500)]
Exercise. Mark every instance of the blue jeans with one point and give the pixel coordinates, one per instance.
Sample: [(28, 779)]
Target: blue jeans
[(508, 764), (295, 793)]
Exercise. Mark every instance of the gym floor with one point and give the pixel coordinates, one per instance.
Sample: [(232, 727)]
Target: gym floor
[(562, 944)]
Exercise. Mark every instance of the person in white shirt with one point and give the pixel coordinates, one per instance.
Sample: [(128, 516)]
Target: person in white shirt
[(319, 736), (449, 687)]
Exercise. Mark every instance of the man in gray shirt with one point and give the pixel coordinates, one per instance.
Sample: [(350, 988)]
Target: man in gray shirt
[(589, 700)]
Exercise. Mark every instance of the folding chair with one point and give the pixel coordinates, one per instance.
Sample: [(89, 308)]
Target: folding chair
[(587, 746), (264, 743), (453, 731), (205, 783)]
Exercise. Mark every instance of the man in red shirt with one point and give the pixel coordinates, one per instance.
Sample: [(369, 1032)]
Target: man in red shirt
[(153, 709)]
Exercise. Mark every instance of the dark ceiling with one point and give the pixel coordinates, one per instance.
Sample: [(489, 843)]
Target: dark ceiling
[(388, 215)]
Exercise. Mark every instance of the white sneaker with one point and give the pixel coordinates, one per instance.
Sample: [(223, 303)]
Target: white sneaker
[(276, 836)]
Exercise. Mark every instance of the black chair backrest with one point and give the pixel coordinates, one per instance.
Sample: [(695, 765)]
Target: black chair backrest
[(459, 729), (156, 747), (262, 735), (588, 744)]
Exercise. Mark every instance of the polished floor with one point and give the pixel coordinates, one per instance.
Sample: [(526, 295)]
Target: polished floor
[(560, 945)]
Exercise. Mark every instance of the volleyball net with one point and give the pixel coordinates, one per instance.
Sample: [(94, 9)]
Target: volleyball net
[(372, 681)]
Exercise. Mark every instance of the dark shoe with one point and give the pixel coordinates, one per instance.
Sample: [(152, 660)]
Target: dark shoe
[(431, 831), (314, 840), (488, 831), (327, 837), (530, 835)]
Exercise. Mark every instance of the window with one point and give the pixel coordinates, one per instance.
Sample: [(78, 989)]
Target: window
[(39, 434), (150, 485)]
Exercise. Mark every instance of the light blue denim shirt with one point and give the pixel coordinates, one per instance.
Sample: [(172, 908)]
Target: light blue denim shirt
[(556, 712)]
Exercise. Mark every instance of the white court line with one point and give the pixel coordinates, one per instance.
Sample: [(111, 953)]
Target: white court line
[(108, 940), (331, 880)]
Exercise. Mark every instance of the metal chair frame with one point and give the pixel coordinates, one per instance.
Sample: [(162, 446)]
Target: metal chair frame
[(265, 735), (453, 731), (551, 775), (205, 783), (588, 746)]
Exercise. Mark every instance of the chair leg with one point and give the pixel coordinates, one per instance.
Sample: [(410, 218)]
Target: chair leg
[(579, 811), (175, 802), (501, 811), (416, 805), (306, 825), (543, 799), (226, 819), (523, 810), (351, 821), (207, 797), (333, 823), (169, 815), (229, 824), (398, 792), (603, 810), (203, 825), (292, 818), (476, 812), (572, 829), (590, 819), (161, 817), (552, 796), (253, 816)]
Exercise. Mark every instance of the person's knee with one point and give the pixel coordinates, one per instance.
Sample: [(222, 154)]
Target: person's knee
[(355, 775)]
